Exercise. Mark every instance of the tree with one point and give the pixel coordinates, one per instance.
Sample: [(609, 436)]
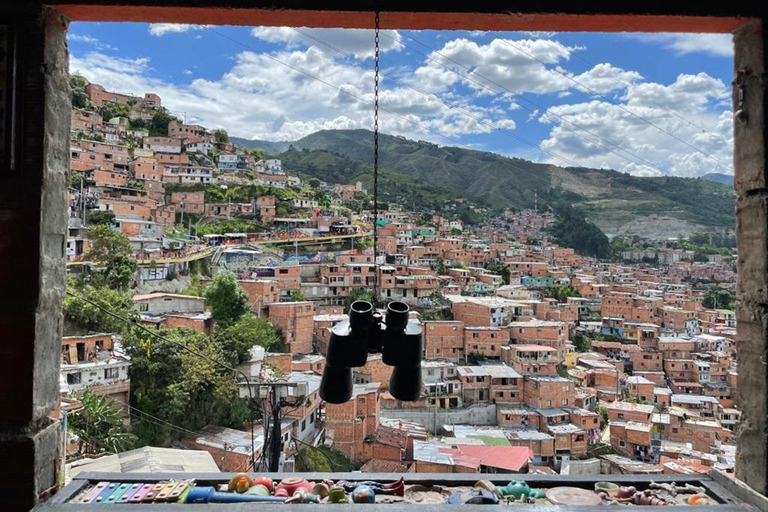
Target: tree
[(603, 411), (106, 217), (239, 338), (99, 425), (111, 252), (180, 387), (220, 135), (297, 295), (158, 127), (314, 182), (228, 301), (80, 97), (357, 294), (82, 317), (196, 287), (719, 298), (561, 293), (254, 152), (582, 343), (573, 230), (440, 265), (110, 110)]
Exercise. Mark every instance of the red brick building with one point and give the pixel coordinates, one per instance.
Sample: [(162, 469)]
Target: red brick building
[(296, 320), (349, 424)]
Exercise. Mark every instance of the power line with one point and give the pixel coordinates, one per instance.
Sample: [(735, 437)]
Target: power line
[(519, 96), (171, 425), (667, 109), (460, 110), (621, 107)]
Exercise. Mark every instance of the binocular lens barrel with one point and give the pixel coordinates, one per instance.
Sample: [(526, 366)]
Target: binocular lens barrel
[(397, 317), (360, 316), (400, 345), (336, 384)]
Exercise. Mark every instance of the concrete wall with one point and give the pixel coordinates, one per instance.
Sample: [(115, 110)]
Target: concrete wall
[(752, 236), (475, 414), (33, 233)]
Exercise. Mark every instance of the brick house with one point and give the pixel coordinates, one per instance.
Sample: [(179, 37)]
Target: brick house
[(444, 340), (349, 424), (189, 202), (485, 341), (296, 320)]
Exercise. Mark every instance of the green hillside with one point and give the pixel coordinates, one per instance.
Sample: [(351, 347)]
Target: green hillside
[(425, 173)]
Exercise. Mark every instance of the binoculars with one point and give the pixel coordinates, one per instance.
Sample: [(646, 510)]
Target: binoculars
[(395, 336)]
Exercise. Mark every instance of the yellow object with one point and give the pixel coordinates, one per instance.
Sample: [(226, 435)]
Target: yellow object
[(241, 482)]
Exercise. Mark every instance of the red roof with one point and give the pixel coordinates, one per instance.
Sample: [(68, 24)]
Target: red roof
[(512, 458)]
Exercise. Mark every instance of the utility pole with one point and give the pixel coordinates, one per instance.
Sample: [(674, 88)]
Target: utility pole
[(272, 401)]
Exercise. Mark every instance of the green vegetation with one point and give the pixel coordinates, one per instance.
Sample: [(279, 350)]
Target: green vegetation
[(81, 317), (247, 332), (297, 295), (427, 174), (582, 343), (220, 135), (603, 411), (561, 293), (718, 298), (572, 230), (80, 98), (158, 126), (502, 270), (112, 254), (196, 287), (254, 152), (110, 110), (99, 425), (357, 294), (322, 459), (106, 217), (179, 387), (227, 300)]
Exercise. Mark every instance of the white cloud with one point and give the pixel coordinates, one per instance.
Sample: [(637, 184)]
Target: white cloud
[(87, 39), (261, 98), (357, 42), (604, 78), (160, 29), (630, 133), (498, 66), (258, 97), (720, 45)]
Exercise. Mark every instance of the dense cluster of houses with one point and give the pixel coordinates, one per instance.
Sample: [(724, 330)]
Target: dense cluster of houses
[(510, 384)]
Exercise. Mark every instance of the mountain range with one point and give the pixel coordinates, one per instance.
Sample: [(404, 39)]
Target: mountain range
[(426, 174)]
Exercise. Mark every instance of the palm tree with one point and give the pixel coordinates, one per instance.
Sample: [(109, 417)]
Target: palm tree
[(99, 425)]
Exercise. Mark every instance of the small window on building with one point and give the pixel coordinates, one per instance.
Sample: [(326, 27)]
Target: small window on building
[(111, 373)]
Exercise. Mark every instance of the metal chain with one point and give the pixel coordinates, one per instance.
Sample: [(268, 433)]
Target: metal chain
[(376, 156)]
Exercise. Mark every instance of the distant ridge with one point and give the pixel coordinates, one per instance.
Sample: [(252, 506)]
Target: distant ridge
[(422, 173)]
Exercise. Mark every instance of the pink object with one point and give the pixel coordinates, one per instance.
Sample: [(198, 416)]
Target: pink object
[(290, 485)]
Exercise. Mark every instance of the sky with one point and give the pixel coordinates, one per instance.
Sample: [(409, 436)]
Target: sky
[(645, 104)]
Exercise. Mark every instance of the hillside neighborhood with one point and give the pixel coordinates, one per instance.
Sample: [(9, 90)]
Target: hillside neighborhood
[(539, 355)]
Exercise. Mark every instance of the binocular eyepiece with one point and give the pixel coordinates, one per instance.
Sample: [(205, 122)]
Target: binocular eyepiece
[(395, 336)]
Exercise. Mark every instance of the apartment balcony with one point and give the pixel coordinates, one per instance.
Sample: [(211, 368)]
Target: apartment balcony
[(727, 494)]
